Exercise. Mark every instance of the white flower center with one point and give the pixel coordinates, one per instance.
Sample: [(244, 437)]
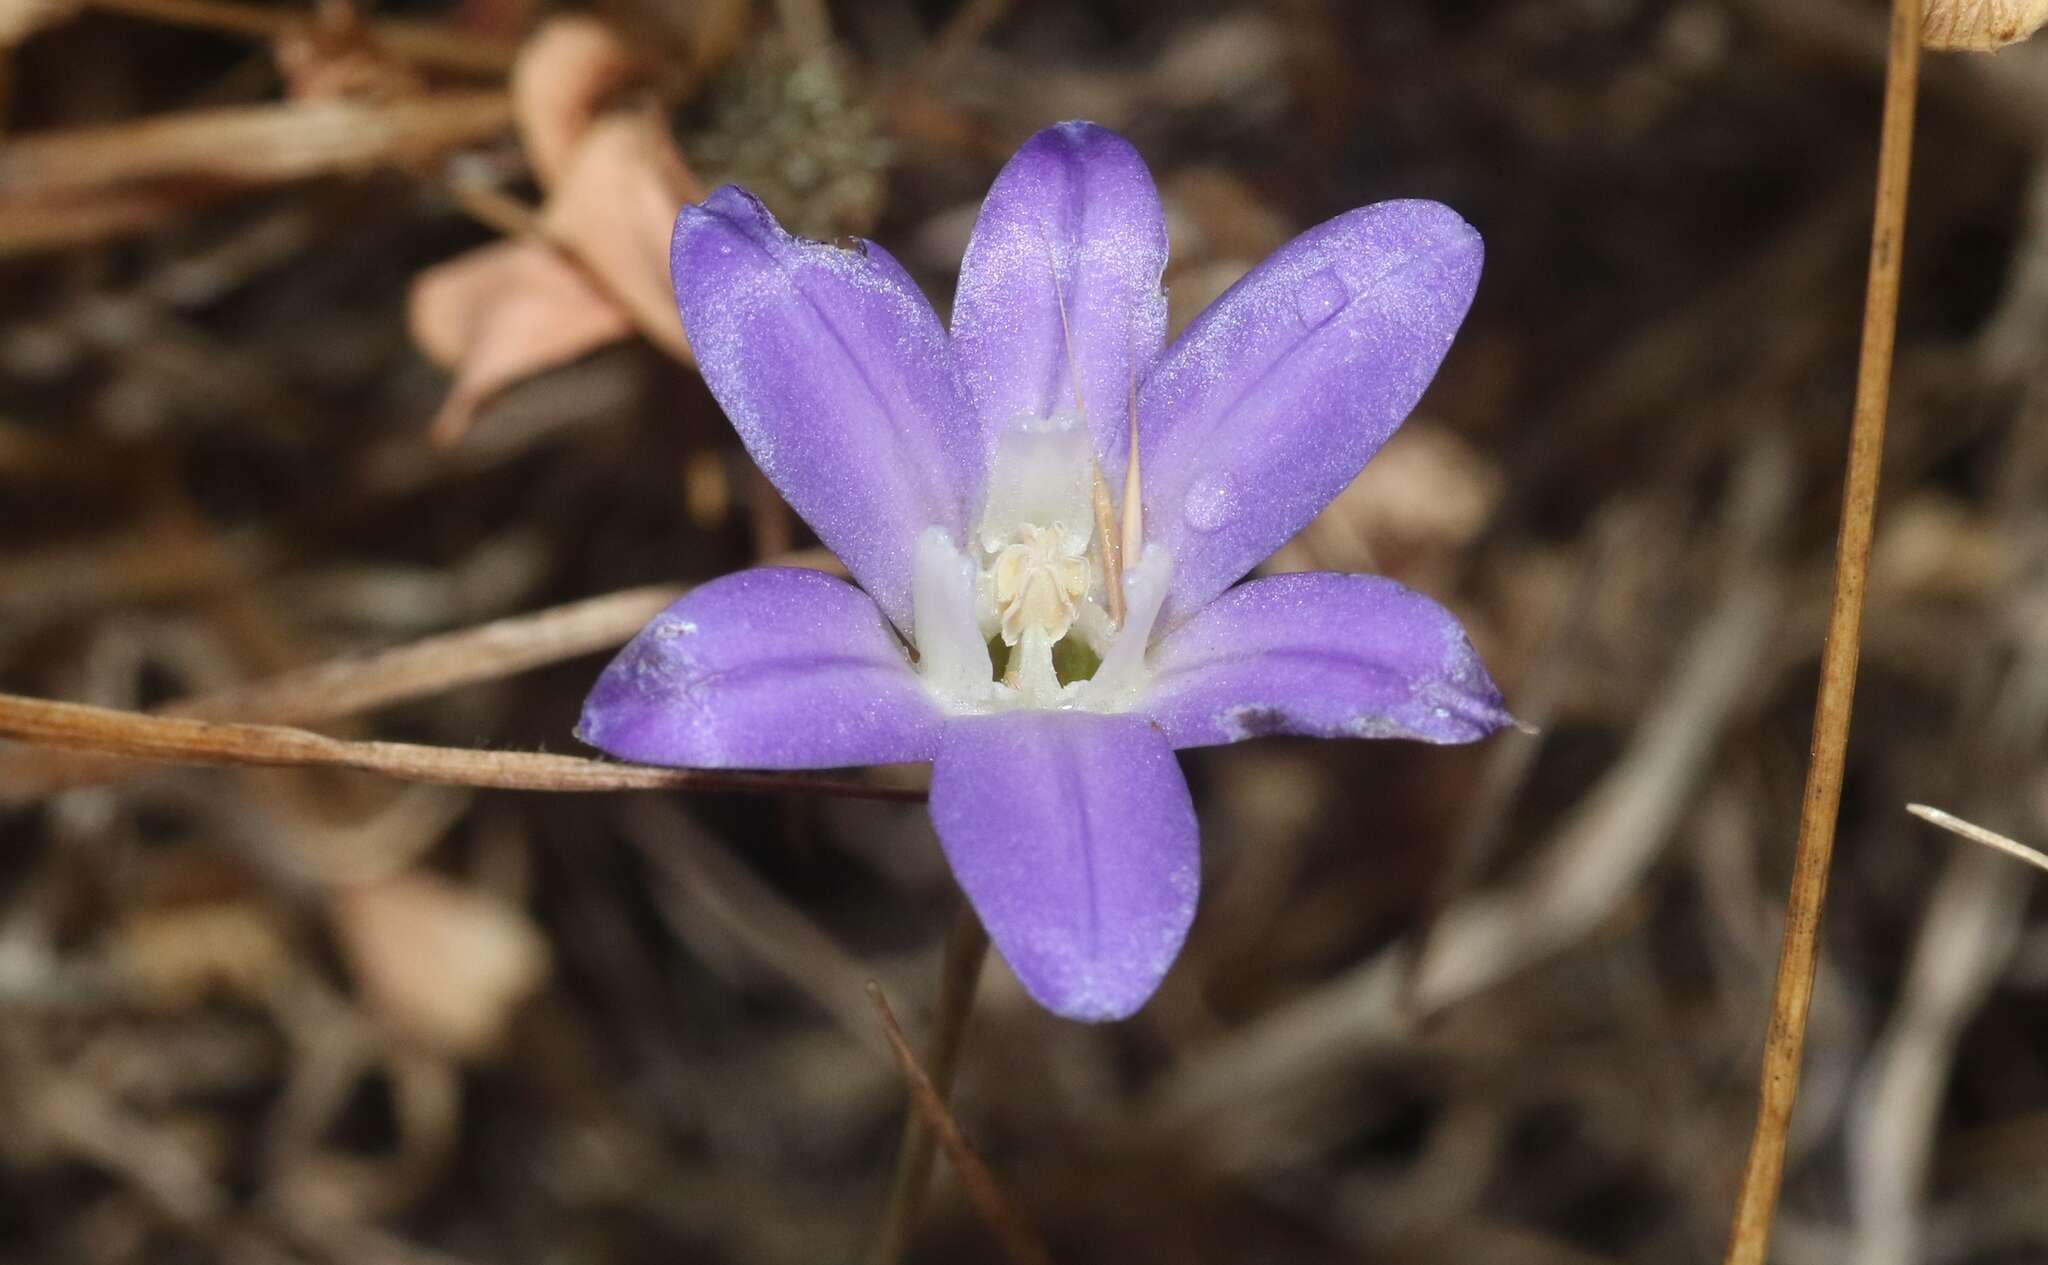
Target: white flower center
[(1023, 618)]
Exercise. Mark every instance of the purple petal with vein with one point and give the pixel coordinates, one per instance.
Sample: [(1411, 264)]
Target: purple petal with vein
[(837, 376), (1324, 655), (1275, 397), (774, 668), (1072, 218), (1074, 836)]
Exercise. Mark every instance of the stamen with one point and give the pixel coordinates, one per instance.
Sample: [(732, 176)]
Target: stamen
[(1134, 508), (1106, 540), (1112, 554)]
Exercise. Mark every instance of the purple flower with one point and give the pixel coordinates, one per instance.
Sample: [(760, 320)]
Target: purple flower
[(1046, 647)]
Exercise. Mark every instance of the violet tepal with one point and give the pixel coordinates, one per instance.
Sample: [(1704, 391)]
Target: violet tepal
[(1047, 511)]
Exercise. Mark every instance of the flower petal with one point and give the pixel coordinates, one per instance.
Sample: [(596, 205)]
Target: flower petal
[(1275, 397), (1073, 220), (1331, 656), (1074, 836), (837, 376), (774, 668)]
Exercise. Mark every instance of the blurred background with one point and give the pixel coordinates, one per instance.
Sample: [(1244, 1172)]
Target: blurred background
[(329, 335)]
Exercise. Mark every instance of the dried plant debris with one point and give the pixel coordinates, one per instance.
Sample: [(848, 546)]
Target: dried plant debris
[(1981, 25), (797, 134), (1497, 1003), (591, 266), (20, 19)]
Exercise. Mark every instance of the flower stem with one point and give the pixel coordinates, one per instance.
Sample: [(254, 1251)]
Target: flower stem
[(1784, 1039), (966, 946)]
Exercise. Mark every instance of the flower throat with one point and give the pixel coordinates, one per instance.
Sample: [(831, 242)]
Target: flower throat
[(1052, 599)]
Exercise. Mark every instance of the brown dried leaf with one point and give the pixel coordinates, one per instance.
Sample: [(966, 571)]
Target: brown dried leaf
[(560, 84), (444, 964), (600, 269), (615, 209), (502, 314)]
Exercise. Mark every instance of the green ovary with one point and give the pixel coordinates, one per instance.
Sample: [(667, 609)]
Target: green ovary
[(1072, 658)]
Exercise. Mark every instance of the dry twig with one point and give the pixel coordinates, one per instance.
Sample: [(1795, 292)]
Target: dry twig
[(251, 144), (178, 741), (1786, 1037), (360, 683), (966, 949), (1017, 1238), (1978, 834), (422, 43), (488, 652)]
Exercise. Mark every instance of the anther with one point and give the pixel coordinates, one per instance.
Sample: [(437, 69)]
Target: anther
[(1106, 540)]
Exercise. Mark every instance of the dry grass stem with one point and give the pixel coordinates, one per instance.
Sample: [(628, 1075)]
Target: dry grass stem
[(421, 43), (106, 731), (960, 976), (251, 144), (1785, 1038), (488, 652), (1978, 834), (361, 683), (1019, 1242)]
